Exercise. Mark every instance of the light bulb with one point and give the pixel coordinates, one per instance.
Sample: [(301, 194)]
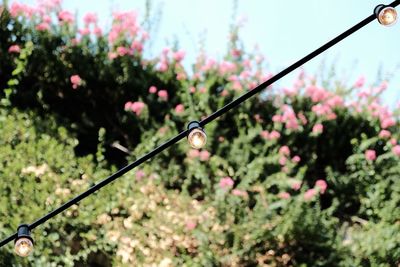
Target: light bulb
[(23, 247), (386, 15), (23, 243), (197, 138)]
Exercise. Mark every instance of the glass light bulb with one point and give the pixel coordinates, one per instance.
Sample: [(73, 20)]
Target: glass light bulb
[(23, 247), (387, 16), (197, 138)]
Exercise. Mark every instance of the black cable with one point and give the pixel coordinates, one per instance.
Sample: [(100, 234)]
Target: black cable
[(204, 122)]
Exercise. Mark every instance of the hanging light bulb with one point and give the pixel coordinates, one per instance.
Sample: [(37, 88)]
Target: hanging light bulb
[(386, 15), (197, 138), (23, 243)]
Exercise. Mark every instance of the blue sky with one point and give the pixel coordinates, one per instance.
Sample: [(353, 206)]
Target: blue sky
[(284, 31)]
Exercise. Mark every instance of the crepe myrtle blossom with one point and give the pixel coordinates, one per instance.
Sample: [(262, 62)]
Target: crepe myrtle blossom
[(179, 109), (296, 159), (76, 81), (163, 95), (204, 155), (152, 90), (322, 185), (309, 194), (239, 193), (360, 82), (226, 182), (14, 49), (384, 134), (284, 195), (296, 185), (318, 128), (396, 150), (370, 155)]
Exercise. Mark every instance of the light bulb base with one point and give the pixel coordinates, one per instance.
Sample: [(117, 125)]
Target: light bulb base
[(23, 231), (378, 10), (194, 125)]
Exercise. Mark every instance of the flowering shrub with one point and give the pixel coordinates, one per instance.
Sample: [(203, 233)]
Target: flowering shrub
[(305, 175)]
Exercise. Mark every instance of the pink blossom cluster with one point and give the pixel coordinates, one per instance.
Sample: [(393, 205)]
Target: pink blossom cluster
[(14, 49), (76, 81), (202, 155), (226, 183), (320, 186), (135, 107), (273, 135)]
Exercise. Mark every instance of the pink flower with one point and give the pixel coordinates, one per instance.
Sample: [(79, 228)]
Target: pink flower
[(179, 109), (264, 134), (282, 160), (318, 128), (204, 155), (84, 31), (277, 118), (90, 18), (239, 193), (360, 82), (152, 90), (66, 16), (190, 225), (384, 134), (396, 150), (284, 150), (179, 55), (370, 154), (43, 26), (322, 185), (309, 194), (387, 122), (137, 107), (393, 141), (193, 153), (76, 81), (137, 46), (296, 159), (226, 182), (97, 31), (302, 118), (296, 185), (163, 94), (181, 76), (284, 195), (128, 105), (139, 175), (274, 135), (14, 49)]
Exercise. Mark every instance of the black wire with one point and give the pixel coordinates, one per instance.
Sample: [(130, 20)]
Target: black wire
[(204, 122)]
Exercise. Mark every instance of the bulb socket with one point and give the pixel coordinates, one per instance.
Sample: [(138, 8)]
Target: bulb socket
[(23, 231)]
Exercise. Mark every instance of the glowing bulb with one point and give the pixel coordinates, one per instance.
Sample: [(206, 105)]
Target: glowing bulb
[(23, 243), (197, 138), (386, 15), (23, 247)]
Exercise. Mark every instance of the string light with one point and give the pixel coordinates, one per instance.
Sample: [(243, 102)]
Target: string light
[(195, 133), (197, 138), (23, 243), (386, 15)]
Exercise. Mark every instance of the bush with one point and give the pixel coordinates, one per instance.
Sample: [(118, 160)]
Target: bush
[(302, 176)]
